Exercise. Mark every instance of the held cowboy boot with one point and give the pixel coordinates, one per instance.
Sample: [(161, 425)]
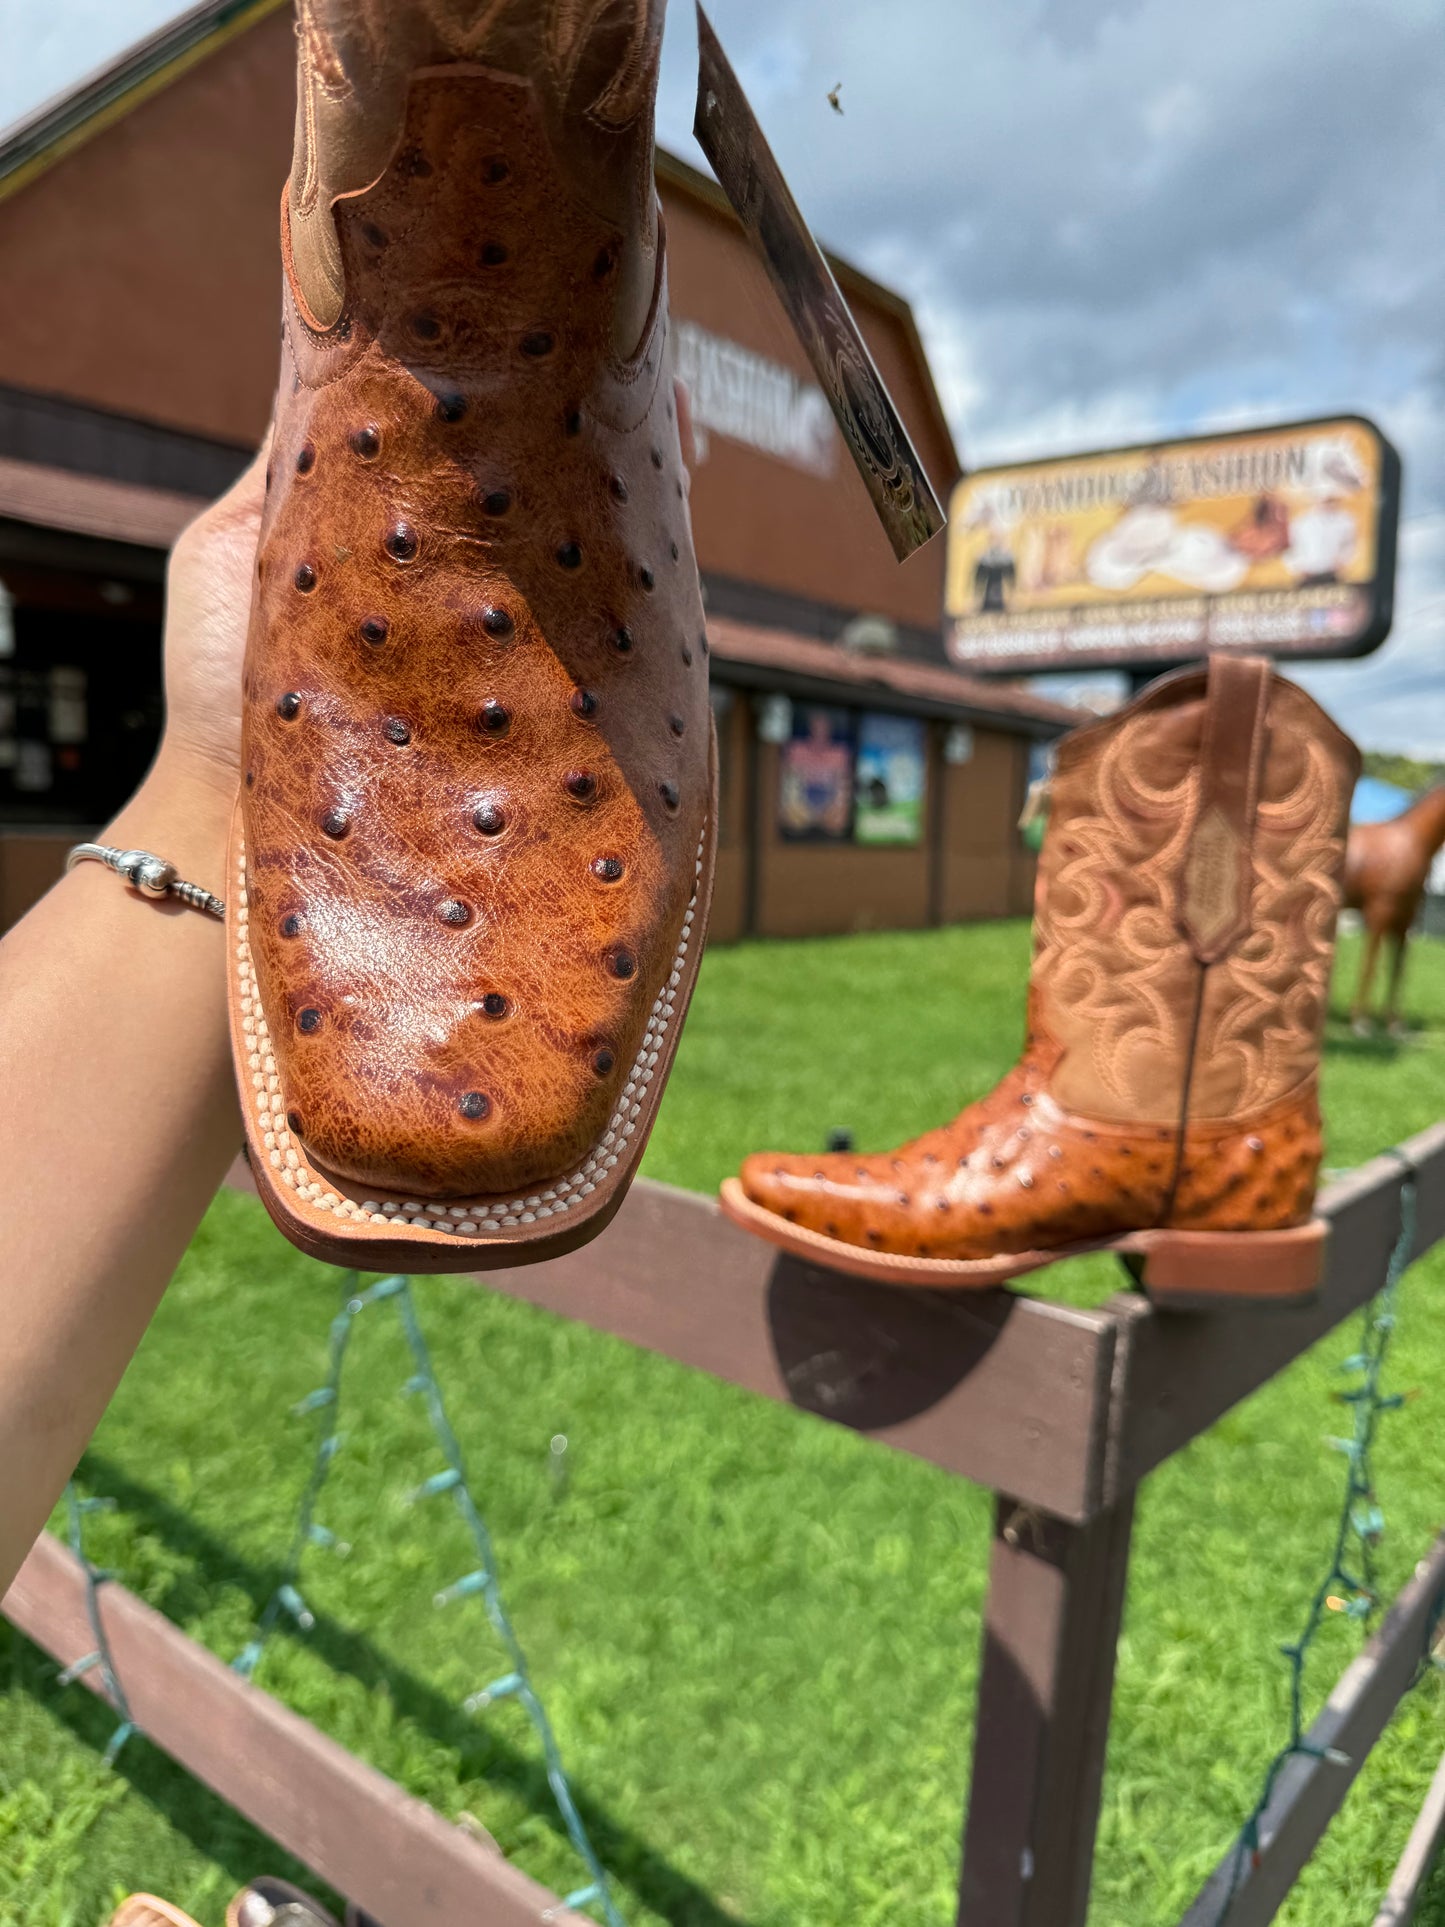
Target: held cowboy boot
[(473, 849), (1166, 1104)]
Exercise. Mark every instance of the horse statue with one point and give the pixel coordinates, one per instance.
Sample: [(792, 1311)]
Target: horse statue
[(1386, 865)]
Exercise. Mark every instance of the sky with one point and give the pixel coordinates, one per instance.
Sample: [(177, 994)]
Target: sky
[(1116, 220)]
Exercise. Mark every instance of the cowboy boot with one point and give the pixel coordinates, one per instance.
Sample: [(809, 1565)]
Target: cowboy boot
[(1166, 1104), (145, 1910), (473, 847)]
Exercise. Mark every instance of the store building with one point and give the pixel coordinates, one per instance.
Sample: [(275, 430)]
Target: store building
[(865, 783)]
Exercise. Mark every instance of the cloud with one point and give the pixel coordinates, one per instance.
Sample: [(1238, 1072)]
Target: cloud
[(1116, 219), (1126, 218)]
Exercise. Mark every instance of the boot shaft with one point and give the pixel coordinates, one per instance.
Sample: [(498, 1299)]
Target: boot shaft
[(1186, 900), (590, 67)]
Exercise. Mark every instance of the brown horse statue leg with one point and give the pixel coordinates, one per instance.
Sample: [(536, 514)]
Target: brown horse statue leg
[(1360, 1014), (1387, 866), (1394, 1023)]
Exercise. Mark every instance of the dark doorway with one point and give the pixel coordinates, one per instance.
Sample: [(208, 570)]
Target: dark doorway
[(80, 695)]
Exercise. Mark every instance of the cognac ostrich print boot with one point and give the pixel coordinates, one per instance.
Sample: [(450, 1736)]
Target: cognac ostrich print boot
[(1166, 1104), (473, 849)]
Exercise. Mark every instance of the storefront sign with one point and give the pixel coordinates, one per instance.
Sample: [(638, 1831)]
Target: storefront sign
[(815, 786), (749, 399), (1278, 539), (889, 780)]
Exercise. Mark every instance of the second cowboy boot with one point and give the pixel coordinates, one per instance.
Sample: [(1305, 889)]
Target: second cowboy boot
[(473, 850), (1166, 1104)]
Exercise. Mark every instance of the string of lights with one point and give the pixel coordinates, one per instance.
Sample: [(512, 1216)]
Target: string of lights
[(1349, 1585), (76, 1509), (481, 1581), (286, 1599)]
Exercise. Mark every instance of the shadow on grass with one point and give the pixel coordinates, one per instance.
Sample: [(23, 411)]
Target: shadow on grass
[(1379, 1047), (193, 1810), (200, 1816)]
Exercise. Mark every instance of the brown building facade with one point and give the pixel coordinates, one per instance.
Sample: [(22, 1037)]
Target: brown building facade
[(865, 783)]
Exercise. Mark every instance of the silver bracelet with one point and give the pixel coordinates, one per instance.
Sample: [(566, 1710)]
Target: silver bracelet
[(151, 875)]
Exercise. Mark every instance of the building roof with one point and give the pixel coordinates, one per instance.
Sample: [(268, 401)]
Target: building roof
[(67, 120), (55, 127), (853, 281), (798, 666), (139, 482), (59, 498)]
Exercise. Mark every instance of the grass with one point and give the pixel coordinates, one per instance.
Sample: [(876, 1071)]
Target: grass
[(757, 1634)]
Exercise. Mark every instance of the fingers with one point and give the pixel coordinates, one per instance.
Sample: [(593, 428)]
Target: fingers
[(246, 496), (238, 511)]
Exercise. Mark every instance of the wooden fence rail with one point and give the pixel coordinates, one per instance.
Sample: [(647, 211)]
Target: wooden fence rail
[(392, 1854), (1398, 1907), (1312, 1787), (1062, 1412)]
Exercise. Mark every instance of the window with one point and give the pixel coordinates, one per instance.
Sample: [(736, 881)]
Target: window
[(848, 776), (815, 776), (80, 696), (889, 780)]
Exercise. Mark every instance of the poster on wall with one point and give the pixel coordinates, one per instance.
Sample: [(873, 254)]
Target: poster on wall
[(815, 786), (1277, 539), (889, 780)]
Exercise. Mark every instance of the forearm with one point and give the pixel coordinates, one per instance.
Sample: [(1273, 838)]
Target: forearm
[(118, 1121)]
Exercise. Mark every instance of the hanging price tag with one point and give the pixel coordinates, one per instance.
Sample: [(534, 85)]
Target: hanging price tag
[(730, 136)]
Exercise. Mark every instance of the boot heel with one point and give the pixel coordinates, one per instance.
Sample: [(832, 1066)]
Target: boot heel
[(1208, 1270)]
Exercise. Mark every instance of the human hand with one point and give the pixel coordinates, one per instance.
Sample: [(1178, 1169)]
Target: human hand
[(208, 606), (209, 581)]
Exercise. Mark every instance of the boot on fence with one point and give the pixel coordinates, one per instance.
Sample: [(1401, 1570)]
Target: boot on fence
[(1166, 1104), (473, 847)]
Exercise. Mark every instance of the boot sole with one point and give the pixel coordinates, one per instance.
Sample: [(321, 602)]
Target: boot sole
[(1183, 1270), (558, 1214)]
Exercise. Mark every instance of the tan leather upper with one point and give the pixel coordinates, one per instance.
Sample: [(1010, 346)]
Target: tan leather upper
[(476, 718), (1116, 987), (1183, 927), (592, 69)]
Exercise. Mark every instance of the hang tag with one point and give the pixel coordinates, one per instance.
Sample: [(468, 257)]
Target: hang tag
[(730, 136)]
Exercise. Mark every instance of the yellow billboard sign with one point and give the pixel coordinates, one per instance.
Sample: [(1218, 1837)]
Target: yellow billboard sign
[(1277, 539)]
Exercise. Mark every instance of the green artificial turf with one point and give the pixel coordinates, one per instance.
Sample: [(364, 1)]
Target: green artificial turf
[(757, 1634)]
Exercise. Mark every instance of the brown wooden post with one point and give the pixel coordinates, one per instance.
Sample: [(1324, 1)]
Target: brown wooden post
[(1055, 1601)]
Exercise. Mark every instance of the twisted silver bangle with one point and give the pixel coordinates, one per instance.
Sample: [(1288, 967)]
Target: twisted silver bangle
[(150, 876)]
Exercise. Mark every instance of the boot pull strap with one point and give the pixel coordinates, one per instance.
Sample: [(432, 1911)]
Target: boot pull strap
[(1218, 872)]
